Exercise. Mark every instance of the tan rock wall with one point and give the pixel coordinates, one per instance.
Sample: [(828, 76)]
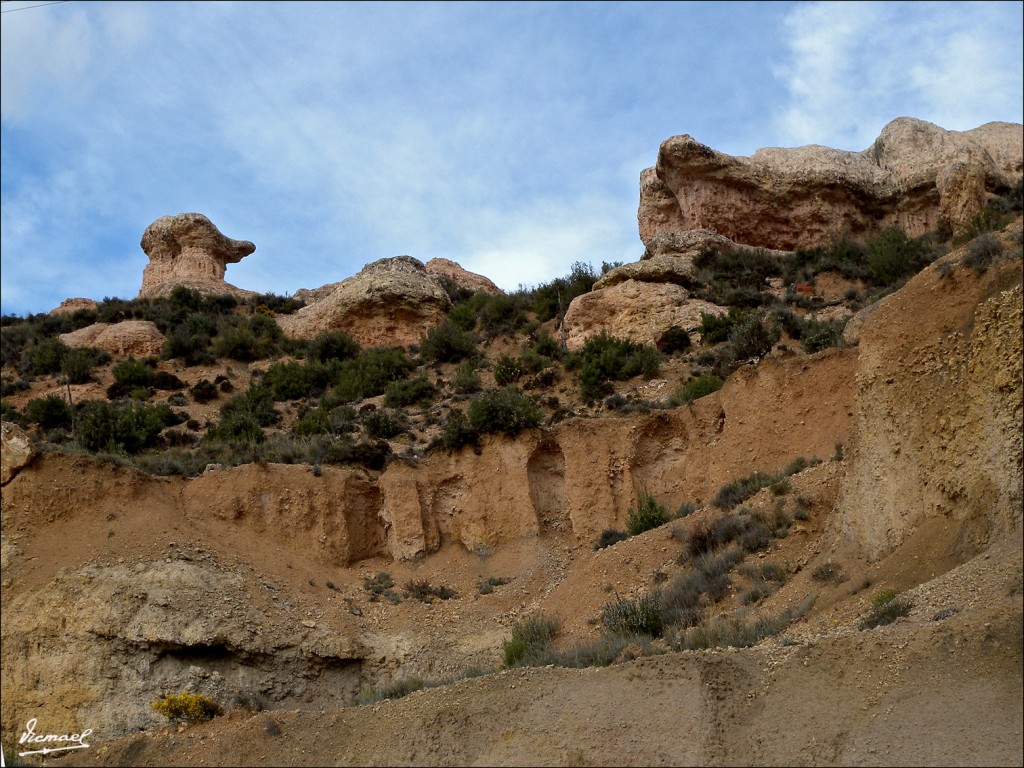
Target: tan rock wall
[(913, 175), (939, 411)]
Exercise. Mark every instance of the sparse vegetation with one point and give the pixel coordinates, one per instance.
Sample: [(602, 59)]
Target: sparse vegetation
[(604, 359), (187, 707), (530, 638), (645, 515), (886, 607), (695, 389), (610, 536)]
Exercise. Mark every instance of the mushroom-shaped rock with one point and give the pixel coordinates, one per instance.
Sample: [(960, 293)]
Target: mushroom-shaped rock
[(390, 303), (188, 250), (914, 175)]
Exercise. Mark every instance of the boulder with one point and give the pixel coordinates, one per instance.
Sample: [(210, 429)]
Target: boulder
[(129, 338), (188, 250), (914, 175), (390, 303), (16, 451), (70, 306), (635, 310), (461, 277)]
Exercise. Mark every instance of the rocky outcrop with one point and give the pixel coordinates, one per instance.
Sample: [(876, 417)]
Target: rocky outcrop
[(128, 633), (70, 306), (461, 277), (390, 303), (188, 250), (669, 258), (16, 451), (937, 434), (914, 175), (637, 310), (129, 338)]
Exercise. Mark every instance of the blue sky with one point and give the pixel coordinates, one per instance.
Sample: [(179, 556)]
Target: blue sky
[(506, 136)]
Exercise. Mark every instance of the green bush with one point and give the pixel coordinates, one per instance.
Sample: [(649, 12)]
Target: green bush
[(610, 536), (673, 340), (254, 337), (501, 314), (548, 298), (457, 431), (399, 394), (332, 345), (191, 707), (642, 616), (78, 364), (49, 412), (507, 370), (982, 251), (530, 637), (204, 391), (384, 424), (887, 606), (467, 380), (293, 381), (716, 328), (604, 359), (892, 256), (695, 389), (126, 427), (47, 356), (369, 374), (506, 410), (447, 343), (191, 340), (647, 514), (752, 336), (243, 417), (424, 591), (736, 631)]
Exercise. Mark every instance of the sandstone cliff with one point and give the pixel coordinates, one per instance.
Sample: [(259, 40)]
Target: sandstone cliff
[(391, 302), (914, 175)]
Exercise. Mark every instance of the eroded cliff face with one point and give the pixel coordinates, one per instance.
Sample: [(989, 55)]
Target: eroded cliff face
[(96, 632), (914, 175), (939, 398)]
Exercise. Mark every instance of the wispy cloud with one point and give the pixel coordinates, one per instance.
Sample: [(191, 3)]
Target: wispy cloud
[(851, 67), (506, 136)]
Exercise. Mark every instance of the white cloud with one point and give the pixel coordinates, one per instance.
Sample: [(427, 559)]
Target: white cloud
[(852, 67)]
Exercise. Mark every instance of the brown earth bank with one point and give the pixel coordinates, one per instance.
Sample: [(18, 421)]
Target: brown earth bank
[(251, 585)]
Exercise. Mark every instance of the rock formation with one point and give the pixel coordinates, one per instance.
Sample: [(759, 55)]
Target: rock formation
[(643, 299), (937, 434), (391, 302), (70, 306), (135, 338), (635, 310), (189, 250), (914, 175), (461, 277), (16, 451)]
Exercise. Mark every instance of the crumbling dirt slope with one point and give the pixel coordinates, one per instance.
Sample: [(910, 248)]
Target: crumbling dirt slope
[(248, 584)]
